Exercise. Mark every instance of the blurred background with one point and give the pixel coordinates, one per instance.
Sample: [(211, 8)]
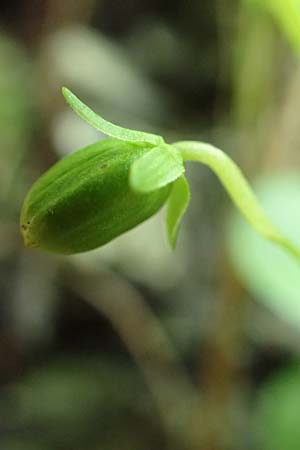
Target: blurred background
[(132, 346)]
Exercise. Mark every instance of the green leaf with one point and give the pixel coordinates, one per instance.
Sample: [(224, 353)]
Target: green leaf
[(237, 187), (177, 205), (108, 128), (156, 168)]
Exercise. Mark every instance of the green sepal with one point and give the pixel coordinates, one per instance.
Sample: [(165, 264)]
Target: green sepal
[(177, 205), (108, 128), (156, 168)]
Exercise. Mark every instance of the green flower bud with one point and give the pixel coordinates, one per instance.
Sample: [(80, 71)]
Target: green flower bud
[(99, 192), (85, 201)]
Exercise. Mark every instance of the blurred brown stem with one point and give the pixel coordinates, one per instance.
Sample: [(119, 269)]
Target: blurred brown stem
[(176, 399), (221, 376)]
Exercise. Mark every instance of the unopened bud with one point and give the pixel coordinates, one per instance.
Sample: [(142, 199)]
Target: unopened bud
[(85, 201)]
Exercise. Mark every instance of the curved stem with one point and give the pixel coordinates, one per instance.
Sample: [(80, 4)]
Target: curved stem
[(237, 187), (177, 400)]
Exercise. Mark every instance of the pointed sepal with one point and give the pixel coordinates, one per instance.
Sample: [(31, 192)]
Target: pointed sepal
[(108, 128), (156, 168), (177, 205)]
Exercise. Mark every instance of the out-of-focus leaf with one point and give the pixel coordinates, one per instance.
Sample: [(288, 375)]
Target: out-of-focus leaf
[(99, 68), (71, 391), (287, 15), (23, 443), (16, 105), (177, 204), (278, 412), (69, 401), (72, 402), (157, 168), (268, 272)]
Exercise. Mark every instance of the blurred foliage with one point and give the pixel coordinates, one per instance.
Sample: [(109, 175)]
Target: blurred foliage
[(286, 13), (278, 411), (16, 108), (74, 403), (132, 346), (270, 273)]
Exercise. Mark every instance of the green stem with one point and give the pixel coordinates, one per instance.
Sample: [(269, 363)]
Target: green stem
[(237, 187)]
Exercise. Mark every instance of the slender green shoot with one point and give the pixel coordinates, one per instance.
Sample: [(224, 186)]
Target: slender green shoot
[(237, 187)]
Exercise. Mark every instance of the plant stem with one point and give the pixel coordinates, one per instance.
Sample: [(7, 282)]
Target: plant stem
[(237, 187), (176, 398)]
